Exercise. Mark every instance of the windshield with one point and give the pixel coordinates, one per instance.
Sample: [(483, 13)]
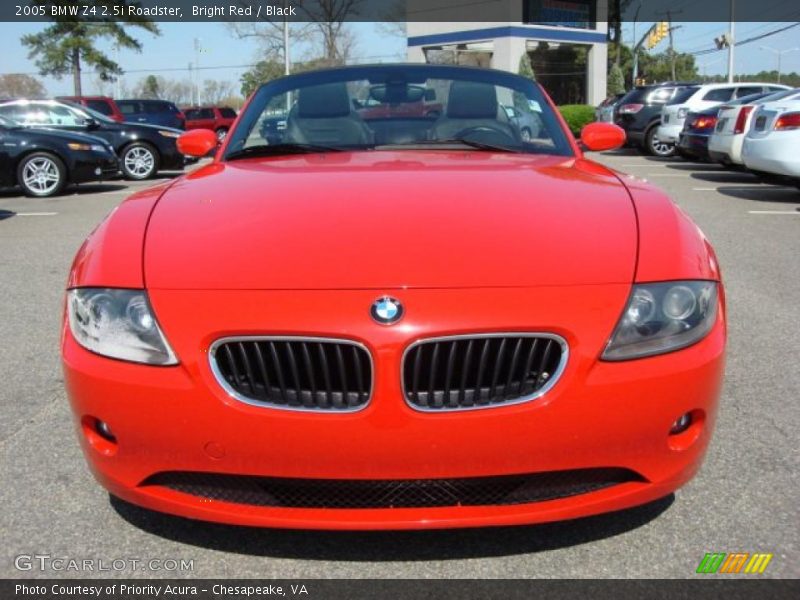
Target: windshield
[(88, 112), (6, 122), (682, 96), (399, 107)]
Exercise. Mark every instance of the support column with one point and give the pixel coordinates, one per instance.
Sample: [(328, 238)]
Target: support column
[(415, 54), (507, 52), (596, 75)]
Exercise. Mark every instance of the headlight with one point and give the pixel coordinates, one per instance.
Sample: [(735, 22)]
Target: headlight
[(169, 134), (88, 147), (118, 324), (662, 317)]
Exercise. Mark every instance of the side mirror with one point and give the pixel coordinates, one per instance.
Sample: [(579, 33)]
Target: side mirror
[(602, 136), (197, 142), (90, 123)]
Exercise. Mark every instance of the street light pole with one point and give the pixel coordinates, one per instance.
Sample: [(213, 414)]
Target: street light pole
[(780, 54), (196, 86), (731, 44)]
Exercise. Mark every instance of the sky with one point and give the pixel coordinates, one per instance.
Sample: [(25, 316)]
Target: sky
[(174, 49)]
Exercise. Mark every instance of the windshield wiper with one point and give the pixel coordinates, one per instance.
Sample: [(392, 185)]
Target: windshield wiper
[(278, 149), (452, 141)]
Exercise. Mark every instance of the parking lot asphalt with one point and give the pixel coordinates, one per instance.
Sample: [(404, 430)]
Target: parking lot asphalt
[(743, 500)]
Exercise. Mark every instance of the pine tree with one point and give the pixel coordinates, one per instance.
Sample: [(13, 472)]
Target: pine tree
[(69, 43)]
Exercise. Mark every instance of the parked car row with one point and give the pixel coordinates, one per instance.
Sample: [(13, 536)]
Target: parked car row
[(653, 116), (753, 126)]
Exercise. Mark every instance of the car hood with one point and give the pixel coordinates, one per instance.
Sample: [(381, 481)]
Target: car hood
[(401, 219)]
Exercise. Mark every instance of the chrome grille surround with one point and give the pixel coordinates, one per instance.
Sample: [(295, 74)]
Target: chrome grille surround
[(237, 395), (537, 393)]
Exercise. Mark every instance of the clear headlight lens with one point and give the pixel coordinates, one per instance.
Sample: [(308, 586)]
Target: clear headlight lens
[(662, 317), (118, 324), (169, 134)]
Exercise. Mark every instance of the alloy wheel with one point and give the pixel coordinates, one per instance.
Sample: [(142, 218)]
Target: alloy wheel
[(41, 175), (140, 162)]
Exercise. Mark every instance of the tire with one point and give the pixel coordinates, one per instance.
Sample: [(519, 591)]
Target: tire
[(139, 161), (526, 134), (41, 175), (655, 148), (221, 133)]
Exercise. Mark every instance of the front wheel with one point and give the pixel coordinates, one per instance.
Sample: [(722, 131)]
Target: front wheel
[(658, 147), (139, 161), (41, 174)]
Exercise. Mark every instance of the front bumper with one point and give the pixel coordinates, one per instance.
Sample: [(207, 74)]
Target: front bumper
[(95, 167), (599, 415)]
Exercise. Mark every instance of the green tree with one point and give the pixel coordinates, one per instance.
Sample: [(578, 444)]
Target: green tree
[(70, 42), (616, 80), (262, 72), (151, 89), (526, 67)]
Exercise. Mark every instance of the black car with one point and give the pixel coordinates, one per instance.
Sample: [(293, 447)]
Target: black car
[(42, 161), (697, 129), (639, 113), (142, 149)]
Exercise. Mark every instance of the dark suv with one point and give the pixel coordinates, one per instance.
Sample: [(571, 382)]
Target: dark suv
[(639, 114), (152, 112)]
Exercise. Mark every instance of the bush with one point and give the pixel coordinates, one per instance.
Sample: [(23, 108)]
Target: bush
[(577, 116)]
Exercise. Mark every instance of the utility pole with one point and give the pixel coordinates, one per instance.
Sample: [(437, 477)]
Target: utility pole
[(670, 28), (731, 44), (635, 47), (118, 80), (287, 59), (196, 86), (780, 54)]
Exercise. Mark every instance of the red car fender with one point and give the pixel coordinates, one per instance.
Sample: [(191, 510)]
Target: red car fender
[(662, 225), (112, 254)]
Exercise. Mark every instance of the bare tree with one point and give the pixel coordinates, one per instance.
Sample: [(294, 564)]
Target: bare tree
[(215, 91), (270, 34), (19, 85), (179, 92), (329, 16)]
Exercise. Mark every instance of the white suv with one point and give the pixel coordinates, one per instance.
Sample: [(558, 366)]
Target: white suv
[(702, 97)]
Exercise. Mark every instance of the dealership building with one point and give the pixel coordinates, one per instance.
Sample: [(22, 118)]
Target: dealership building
[(565, 39)]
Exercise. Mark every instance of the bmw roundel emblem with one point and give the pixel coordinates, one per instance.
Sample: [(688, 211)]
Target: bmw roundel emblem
[(386, 310)]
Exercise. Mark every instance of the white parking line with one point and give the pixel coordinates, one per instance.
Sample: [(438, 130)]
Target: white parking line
[(643, 165), (753, 186), (37, 214), (775, 212)]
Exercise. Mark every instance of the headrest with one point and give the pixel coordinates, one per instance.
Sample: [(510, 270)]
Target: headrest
[(471, 100), (323, 101)]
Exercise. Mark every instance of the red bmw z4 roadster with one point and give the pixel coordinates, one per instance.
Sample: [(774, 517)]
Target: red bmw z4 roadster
[(361, 319)]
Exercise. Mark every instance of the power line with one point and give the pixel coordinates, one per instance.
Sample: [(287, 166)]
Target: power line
[(746, 41), (212, 68)]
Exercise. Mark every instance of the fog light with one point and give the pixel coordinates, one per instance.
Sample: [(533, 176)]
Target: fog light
[(98, 171), (105, 431), (681, 424)]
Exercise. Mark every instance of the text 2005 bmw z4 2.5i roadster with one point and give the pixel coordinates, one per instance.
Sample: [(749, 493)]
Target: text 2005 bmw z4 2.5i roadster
[(395, 319)]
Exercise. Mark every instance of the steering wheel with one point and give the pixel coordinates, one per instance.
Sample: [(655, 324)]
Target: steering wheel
[(481, 131)]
